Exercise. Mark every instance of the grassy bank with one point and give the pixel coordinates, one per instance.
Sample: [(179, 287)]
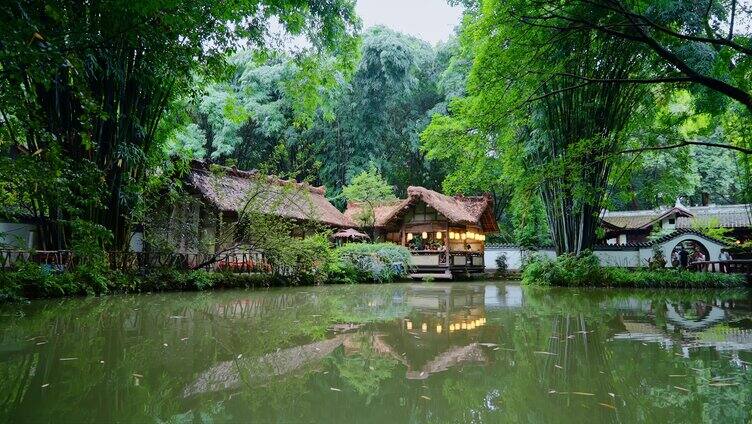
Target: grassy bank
[(586, 271), (34, 282)]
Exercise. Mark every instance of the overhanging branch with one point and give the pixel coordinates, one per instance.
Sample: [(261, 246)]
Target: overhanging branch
[(744, 150)]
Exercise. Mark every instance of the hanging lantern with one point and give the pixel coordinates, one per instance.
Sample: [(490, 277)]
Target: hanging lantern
[(438, 235), (409, 236), (463, 326), (424, 235), (451, 327), (424, 327), (438, 329), (409, 325), (464, 236)]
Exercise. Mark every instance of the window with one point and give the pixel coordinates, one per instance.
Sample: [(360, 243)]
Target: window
[(672, 221)]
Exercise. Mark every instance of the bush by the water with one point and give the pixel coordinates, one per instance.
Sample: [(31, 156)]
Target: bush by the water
[(364, 262), (586, 271)]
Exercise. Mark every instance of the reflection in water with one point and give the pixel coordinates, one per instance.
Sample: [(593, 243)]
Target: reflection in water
[(481, 352)]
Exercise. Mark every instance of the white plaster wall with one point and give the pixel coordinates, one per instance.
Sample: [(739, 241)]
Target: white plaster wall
[(18, 236), (515, 256)]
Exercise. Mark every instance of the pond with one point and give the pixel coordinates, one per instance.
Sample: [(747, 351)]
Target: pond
[(432, 352)]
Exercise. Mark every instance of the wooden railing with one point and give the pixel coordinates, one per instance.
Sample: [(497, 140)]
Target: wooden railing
[(60, 260), (737, 266)]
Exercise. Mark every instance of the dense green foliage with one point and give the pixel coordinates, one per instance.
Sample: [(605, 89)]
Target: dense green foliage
[(349, 122), (516, 129), (365, 262), (586, 271)]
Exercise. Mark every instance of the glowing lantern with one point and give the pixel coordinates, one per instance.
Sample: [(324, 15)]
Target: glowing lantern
[(451, 327), (424, 235), (438, 235), (438, 329), (464, 236), (409, 325), (463, 326), (424, 327), (409, 236)]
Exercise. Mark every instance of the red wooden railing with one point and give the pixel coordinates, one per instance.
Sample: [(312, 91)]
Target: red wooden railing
[(233, 261)]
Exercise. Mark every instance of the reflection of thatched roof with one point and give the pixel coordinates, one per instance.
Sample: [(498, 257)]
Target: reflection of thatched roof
[(460, 210), (448, 359), (226, 375), (231, 190)]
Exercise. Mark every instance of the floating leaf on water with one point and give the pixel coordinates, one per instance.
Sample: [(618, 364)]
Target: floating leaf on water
[(681, 388), (607, 406), (611, 394), (425, 397), (184, 339), (45, 385), (240, 355), (558, 366), (164, 344), (41, 343), (551, 391), (334, 389), (326, 372), (496, 348), (68, 359), (583, 393), (101, 362), (137, 375), (545, 353)]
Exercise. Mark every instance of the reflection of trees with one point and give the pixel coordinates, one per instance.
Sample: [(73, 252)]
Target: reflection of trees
[(561, 340)]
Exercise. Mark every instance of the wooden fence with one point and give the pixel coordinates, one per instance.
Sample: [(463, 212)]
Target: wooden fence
[(60, 260), (737, 266)]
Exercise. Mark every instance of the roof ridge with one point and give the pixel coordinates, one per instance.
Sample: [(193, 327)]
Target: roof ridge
[(247, 174)]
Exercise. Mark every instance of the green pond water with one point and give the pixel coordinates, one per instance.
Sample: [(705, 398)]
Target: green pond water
[(432, 352)]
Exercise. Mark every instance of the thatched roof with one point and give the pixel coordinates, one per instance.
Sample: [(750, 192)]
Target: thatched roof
[(459, 210), (231, 190)]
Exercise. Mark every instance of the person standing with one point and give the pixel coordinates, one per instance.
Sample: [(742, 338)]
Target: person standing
[(683, 257)]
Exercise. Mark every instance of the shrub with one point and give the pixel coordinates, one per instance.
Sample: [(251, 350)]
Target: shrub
[(566, 270), (501, 265), (585, 270), (363, 262)]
